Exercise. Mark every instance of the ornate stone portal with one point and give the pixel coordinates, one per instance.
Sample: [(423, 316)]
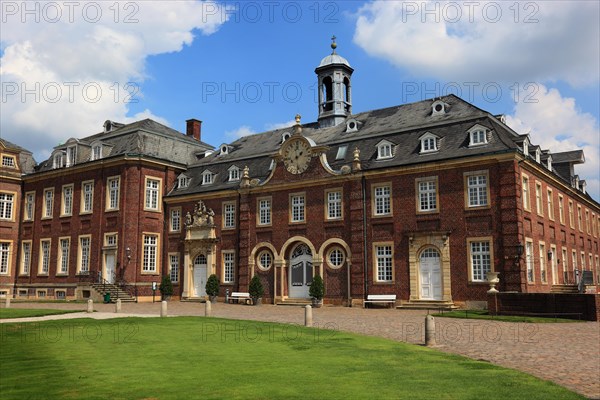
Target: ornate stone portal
[(199, 260)]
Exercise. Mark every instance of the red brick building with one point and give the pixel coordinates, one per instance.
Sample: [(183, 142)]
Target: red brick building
[(14, 163), (421, 200)]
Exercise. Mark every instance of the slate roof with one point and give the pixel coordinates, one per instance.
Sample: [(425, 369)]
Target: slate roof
[(145, 137), (26, 161), (402, 125)]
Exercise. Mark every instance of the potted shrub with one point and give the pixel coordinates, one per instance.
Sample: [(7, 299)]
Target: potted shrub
[(317, 291), (212, 288), (256, 290), (166, 288)]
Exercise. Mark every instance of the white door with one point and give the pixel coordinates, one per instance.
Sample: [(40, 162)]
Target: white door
[(554, 267), (109, 264), (300, 273), (199, 276), (431, 275)]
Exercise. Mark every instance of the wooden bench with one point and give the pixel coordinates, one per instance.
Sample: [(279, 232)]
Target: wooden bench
[(237, 296), (380, 298)]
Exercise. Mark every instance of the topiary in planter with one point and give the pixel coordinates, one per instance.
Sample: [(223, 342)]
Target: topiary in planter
[(256, 289), (212, 286), (317, 291), (166, 287)]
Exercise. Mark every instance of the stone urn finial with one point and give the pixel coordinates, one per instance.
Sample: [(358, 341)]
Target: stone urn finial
[(493, 281)]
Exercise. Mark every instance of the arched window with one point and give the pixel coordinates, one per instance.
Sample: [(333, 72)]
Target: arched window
[(328, 94)]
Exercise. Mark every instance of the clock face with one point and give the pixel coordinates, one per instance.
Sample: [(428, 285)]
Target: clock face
[(297, 156)]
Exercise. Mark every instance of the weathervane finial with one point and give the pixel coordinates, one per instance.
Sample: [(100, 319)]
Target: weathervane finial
[(333, 44)]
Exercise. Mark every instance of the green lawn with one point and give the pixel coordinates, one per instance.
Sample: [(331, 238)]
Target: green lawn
[(483, 314), (6, 313), (209, 358)]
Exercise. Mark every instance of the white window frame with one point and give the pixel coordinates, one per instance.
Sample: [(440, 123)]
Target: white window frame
[(71, 156), (113, 193), (208, 178), (561, 209), (45, 254), (229, 211), (96, 152), (526, 192), (529, 258), (5, 257), (234, 174), (152, 193), (66, 209), (478, 136), (58, 160), (382, 199), (87, 197), (150, 253), (428, 143), (228, 257), (297, 208), (9, 161), (7, 206), (175, 220), (550, 203), (477, 193), (48, 206), (264, 260), (383, 256), (385, 150), (336, 257), (334, 205), (174, 267), (62, 264), (264, 216), (543, 264), (25, 257), (84, 246), (29, 212), (427, 194), (481, 258)]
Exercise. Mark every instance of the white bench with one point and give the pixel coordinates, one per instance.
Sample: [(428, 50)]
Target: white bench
[(237, 296), (380, 298)]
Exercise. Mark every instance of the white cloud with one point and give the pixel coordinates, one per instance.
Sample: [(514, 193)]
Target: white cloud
[(280, 125), (555, 123), (485, 41), (242, 131), (79, 64)]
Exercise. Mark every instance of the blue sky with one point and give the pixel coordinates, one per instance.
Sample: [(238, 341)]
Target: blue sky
[(245, 67)]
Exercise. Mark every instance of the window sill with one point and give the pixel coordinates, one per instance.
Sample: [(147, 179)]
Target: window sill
[(383, 283)]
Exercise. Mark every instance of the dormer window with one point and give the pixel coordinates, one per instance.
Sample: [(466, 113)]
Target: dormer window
[(285, 136), (8, 161), (438, 108), (58, 160), (352, 125), (526, 146), (384, 150), (429, 143), (183, 181), (538, 155), (71, 155), (477, 136), (96, 152), (224, 149), (207, 178), (234, 174), (549, 162)]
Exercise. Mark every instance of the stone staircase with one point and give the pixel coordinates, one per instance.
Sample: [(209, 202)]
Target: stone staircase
[(115, 292), (427, 305), (564, 289), (295, 302)]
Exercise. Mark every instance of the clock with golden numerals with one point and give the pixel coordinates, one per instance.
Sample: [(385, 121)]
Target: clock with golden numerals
[(296, 156)]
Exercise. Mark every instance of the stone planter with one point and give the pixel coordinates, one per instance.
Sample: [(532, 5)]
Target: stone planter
[(213, 299), (493, 281), (256, 301), (317, 303)]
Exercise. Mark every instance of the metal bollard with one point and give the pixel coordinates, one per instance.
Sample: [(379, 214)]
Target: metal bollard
[(429, 331), (163, 308), (90, 306), (308, 319), (7, 303), (118, 306), (207, 309)]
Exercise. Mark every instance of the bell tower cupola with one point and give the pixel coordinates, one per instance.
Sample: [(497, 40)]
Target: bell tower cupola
[(335, 94)]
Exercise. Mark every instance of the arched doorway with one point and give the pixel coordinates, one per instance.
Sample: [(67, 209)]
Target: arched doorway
[(430, 274), (301, 272), (199, 276)]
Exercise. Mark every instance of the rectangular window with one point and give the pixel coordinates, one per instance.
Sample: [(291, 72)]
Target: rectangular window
[(529, 261), (112, 193), (29, 206), (228, 266), (384, 263), (481, 259), (174, 267), (427, 189), (175, 224), (63, 256), (297, 211), (87, 196), (571, 214), (84, 255), (561, 209), (543, 256), (526, 199), (587, 222), (150, 253), (8, 161), (582, 261), (334, 205), (48, 202), (97, 152), (71, 156), (382, 198), (579, 219), (26, 258), (574, 260), (538, 199), (565, 261), (44, 266), (67, 200), (228, 215), (550, 204), (110, 239), (6, 206), (152, 194), (477, 189), (4, 257), (264, 212)]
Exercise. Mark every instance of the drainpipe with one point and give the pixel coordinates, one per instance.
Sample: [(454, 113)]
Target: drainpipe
[(365, 247)]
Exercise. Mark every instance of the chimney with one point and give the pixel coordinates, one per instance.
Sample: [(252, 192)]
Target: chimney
[(194, 128)]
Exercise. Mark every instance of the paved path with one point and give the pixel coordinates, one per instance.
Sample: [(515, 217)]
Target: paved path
[(565, 353)]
